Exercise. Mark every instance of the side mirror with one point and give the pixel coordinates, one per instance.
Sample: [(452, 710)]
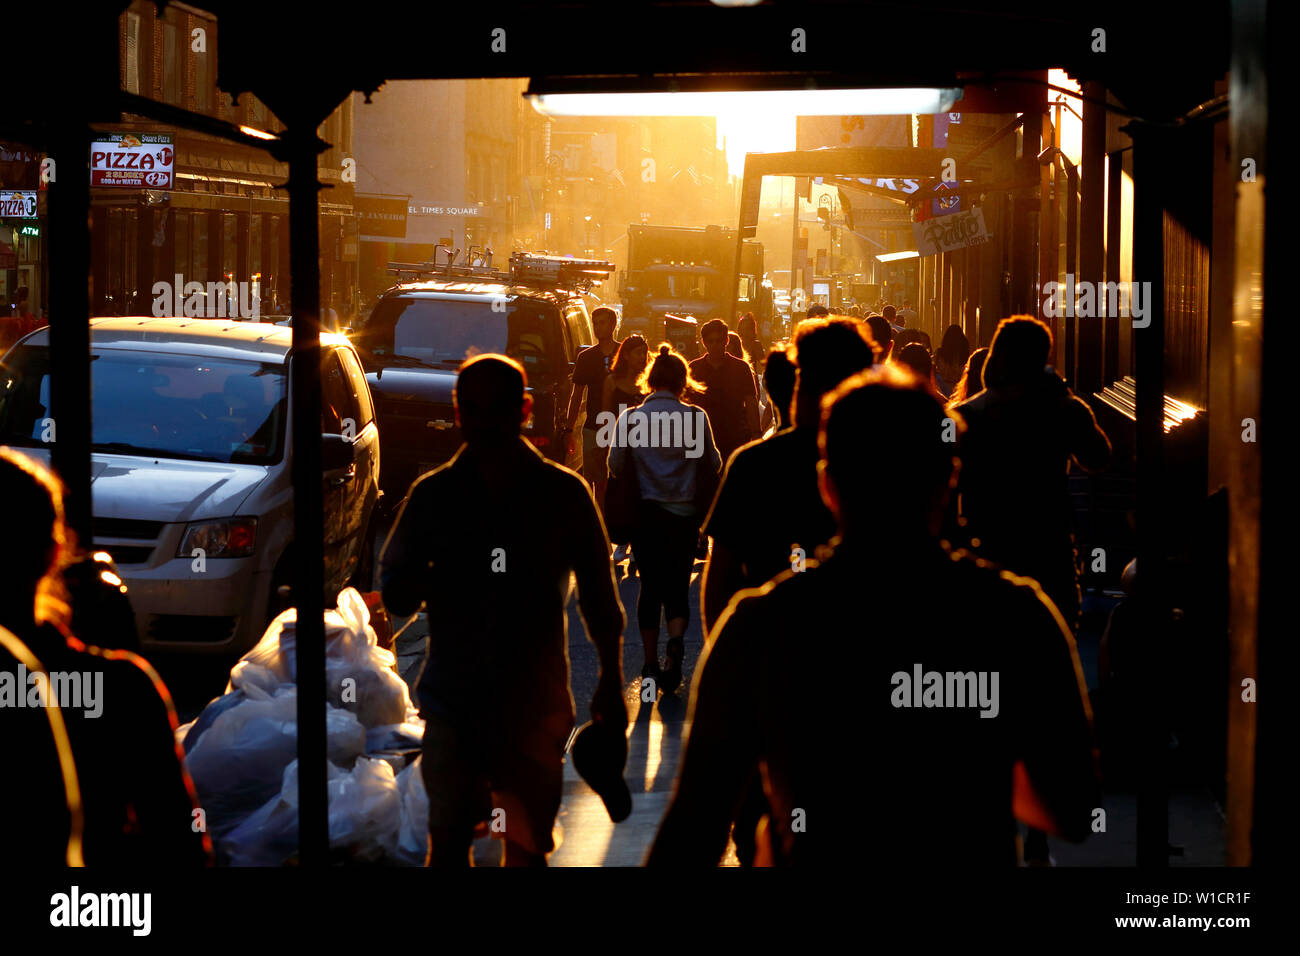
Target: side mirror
[(335, 452)]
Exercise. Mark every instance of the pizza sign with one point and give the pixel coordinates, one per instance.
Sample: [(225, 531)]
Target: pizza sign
[(141, 161), (18, 204)]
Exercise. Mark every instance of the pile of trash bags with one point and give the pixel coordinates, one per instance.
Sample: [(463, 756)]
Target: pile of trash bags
[(241, 751)]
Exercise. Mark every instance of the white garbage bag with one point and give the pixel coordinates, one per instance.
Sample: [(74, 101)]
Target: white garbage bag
[(413, 837), (364, 815), (238, 762)]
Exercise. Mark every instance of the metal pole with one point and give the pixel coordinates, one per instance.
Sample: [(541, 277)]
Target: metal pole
[(1092, 222), (69, 211), (1071, 262), (1149, 155), (308, 503)]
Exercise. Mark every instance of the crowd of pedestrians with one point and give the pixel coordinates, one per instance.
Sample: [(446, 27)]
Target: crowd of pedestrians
[(862, 505)]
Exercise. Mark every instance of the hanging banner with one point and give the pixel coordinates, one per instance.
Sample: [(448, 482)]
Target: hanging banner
[(947, 233)]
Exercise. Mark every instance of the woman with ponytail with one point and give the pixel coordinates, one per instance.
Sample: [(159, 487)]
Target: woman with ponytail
[(669, 446)]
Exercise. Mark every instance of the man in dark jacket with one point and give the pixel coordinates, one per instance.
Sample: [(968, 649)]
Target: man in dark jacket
[(489, 542)]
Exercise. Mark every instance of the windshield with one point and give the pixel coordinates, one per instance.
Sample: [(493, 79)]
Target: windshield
[(442, 333), (149, 403), (681, 285)]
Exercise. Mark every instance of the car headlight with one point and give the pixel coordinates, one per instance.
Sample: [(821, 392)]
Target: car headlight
[(224, 538)]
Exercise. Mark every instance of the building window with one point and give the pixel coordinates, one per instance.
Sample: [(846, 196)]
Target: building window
[(172, 63), (131, 54), (255, 243), (199, 249), (181, 235), (204, 83), (228, 254)]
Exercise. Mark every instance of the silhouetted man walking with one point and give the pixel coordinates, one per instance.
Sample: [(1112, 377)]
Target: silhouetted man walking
[(731, 395), (966, 703), (488, 542)]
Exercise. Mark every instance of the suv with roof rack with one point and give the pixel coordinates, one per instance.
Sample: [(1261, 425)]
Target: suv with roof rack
[(421, 330)]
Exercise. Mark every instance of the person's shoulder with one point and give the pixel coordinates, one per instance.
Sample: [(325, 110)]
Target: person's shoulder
[(431, 482), (993, 585)]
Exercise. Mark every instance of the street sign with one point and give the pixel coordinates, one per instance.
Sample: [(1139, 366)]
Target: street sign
[(143, 161)]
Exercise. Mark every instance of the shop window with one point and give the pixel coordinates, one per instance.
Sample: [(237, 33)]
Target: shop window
[(255, 243), (229, 227), (199, 249), (181, 233)]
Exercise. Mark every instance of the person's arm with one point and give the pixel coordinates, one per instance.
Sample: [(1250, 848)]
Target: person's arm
[(723, 571), (720, 755), (751, 405), (617, 454), (602, 612), (1056, 783), (723, 577), (404, 562), (1088, 443), (162, 795), (580, 384)]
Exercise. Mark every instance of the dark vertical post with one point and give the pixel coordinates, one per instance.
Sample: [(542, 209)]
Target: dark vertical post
[(1071, 264), (1149, 344), (69, 211), (1092, 224), (1114, 196), (308, 505)]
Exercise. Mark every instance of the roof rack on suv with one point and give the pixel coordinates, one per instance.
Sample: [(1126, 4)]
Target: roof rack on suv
[(525, 269)]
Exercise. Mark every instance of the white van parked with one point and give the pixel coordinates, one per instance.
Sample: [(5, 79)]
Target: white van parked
[(191, 471)]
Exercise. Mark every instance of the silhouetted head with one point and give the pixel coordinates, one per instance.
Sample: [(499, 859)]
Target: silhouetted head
[(885, 437), (491, 399), (631, 357), (603, 321), (972, 377), (714, 335), (826, 352), (915, 358), (778, 379), (748, 327), (954, 348), (669, 373), (891, 314), (1018, 353), (882, 334), (37, 542), (735, 347), (818, 311)]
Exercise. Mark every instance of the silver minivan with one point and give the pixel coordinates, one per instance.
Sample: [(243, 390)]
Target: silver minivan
[(191, 477)]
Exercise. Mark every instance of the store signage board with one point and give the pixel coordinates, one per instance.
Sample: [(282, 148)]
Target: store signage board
[(133, 161), (18, 204), (947, 233)]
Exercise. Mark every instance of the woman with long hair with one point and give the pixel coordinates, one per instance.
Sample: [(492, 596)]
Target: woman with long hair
[(622, 384), (972, 378), (950, 359), (669, 446), (747, 328)]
